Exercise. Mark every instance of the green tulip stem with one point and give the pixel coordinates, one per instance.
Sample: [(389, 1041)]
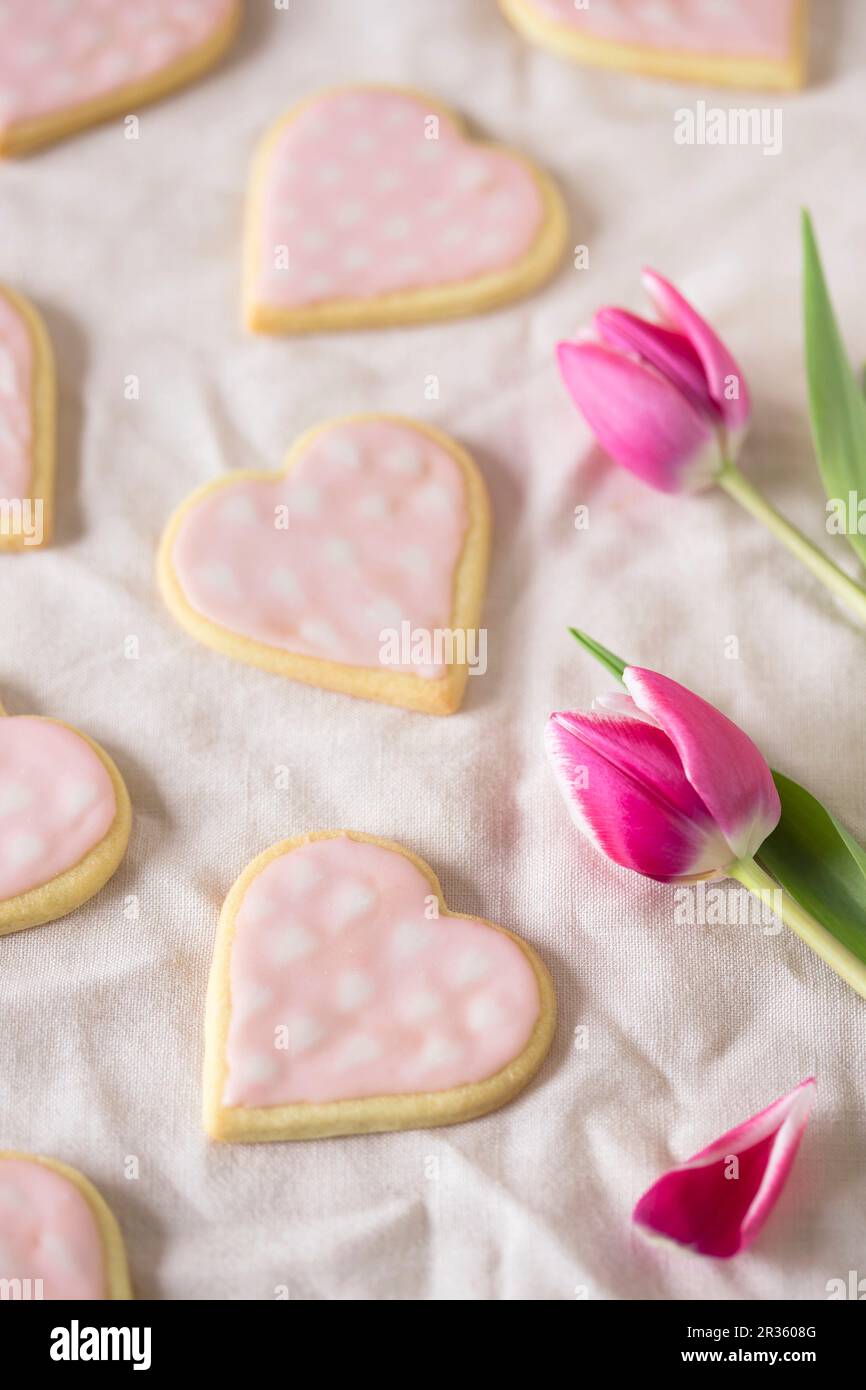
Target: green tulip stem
[(837, 581), (847, 966)]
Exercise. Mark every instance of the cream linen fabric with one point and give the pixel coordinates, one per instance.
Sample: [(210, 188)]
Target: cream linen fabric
[(131, 249)]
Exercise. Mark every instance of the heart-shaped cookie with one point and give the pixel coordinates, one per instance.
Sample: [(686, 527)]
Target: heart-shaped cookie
[(359, 568), (65, 64), (27, 425), (58, 1237), (345, 998), (735, 42), (371, 206), (64, 820)]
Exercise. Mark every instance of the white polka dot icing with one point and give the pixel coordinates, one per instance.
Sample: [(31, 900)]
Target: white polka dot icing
[(57, 802), (376, 519), (360, 169), (56, 56), (739, 28), (16, 418), (380, 1004), (48, 1232)]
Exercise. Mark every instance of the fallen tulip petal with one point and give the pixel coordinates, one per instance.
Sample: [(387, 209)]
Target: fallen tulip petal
[(717, 1202), (640, 418), (722, 763)]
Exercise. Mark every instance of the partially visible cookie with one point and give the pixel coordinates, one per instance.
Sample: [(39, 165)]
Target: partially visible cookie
[(371, 206), (346, 998), (58, 1237), (739, 43), (64, 820), (27, 425), (66, 64), (359, 568)]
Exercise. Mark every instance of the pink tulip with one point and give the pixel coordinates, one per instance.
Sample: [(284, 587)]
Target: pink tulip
[(666, 400), (718, 1201), (661, 782)]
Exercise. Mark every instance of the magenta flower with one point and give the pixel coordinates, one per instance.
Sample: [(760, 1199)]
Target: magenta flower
[(718, 1201), (666, 400), (661, 782), (664, 784)]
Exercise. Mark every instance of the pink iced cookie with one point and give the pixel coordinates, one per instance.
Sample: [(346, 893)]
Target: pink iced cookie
[(360, 568), (64, 820), (344, 998), (738, 42), (371, 206), (58, 1239), (26, 425), (65, 64)]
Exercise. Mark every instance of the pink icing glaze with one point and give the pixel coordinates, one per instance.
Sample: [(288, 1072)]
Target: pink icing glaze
[(57, 802), (55, 54), (366, 204), (744, 28), (334, 946), (377, 518), (16, 415), (48, 1232)]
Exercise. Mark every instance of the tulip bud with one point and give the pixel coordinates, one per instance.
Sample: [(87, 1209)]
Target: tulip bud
[(662, 782), (666, 400)]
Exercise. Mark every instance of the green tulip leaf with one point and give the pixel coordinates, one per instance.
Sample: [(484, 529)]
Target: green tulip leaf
[(819, 863), (836, 403), (608, 659)]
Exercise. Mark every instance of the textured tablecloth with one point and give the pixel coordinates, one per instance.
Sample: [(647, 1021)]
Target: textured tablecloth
[(131, 250)]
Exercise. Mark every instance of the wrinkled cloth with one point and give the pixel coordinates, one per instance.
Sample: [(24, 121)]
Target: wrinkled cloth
[(669, 1033)]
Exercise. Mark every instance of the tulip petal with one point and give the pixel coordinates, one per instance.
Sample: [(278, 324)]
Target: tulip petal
[(721, 763), (669, 352), (720, 368), (618, 703), (717, 1202), (640, 418), (624, 786)]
